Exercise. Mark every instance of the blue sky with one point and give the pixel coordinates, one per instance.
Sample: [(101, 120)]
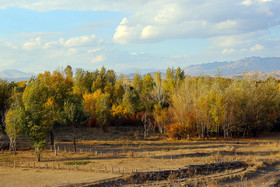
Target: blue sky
[(141, 34)]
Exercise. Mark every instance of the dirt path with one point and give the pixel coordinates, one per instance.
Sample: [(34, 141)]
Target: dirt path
[(269, 176), (43, 177)]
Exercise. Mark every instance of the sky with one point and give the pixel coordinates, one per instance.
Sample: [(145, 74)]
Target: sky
[(134, 35)]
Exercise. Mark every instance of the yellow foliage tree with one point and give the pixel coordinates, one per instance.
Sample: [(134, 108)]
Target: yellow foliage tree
[(89, 104), (118, 111)]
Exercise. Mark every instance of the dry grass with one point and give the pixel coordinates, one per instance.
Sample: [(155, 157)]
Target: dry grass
[(38, 177), (122, 156)]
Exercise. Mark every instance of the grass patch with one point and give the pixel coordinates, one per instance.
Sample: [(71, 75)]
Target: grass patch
[(77, 162), (25, 169)]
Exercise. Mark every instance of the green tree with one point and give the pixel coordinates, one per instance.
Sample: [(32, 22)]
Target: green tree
[(36, 115), (74, 116), (13, 126), (6, 90), (131, 101), (103, 114)]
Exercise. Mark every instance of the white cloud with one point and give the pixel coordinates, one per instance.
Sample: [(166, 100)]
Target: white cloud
[(149, 32), (166, 19), (228, 24), (247, 2), (82, 5), (51, 44), (225, 51), (41, 53), (159, 20), (81, 41), (252, 2), (33, 44), (257, 47), (94, 50), (97, 59)]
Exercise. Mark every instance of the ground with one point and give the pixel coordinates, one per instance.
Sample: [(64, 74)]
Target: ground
[(129, 160), (47, 177)]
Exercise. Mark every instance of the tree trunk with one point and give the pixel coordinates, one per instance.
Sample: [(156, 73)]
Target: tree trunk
[(74, 143), (55, 150), (15, 150), (218, 129), (202, 132), (15, 147), (37, 154), (225, 133), (52, 138), (74, 140), (12, 146)]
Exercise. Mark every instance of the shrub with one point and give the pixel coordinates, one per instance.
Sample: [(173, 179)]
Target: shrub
[(77, 162), (177, 131)]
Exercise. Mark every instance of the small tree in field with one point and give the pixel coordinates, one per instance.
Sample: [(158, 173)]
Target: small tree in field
[(36, 115), (74, 116), (13, 128)]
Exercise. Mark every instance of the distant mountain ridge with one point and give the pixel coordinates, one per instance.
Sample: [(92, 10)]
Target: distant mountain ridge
[(256, 75), (268, 64), (15, 75), (257, 67)]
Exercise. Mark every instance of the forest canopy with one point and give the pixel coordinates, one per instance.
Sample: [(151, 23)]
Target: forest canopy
[(175, 104)]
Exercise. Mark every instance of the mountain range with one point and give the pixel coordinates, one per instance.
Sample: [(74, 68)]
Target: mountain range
[(267, 65), (15, 75), (256, 67)]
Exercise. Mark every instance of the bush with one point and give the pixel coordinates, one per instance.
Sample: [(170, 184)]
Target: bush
[(177, 131), (77, 162)]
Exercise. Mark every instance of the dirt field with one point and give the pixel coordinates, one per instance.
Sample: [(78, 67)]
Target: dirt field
[(43, 177), (155, 161)]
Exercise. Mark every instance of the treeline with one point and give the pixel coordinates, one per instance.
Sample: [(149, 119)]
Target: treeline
[(178, 105)]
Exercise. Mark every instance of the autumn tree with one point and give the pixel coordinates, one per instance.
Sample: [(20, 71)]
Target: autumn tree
[(161, 117), (159, 91), (58, 89)]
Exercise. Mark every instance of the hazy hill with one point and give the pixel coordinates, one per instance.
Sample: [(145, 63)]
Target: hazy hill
[(15, 75), (256, 67), (269, 64), (256, 75)]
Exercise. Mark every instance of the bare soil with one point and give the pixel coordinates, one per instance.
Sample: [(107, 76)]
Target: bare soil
[(126, 159), (47, 177)]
